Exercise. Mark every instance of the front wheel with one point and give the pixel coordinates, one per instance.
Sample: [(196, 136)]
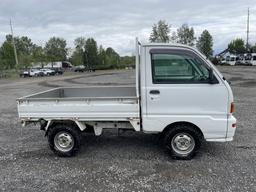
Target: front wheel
[(182, 141), (64, 140)]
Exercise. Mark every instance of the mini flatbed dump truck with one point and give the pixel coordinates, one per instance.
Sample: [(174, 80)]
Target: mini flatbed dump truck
[(178, 93)]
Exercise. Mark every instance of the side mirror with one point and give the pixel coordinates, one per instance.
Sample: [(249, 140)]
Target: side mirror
[(229, 82), (212, 78)]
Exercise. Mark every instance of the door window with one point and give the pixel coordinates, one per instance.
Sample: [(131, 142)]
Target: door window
[(178, 68)]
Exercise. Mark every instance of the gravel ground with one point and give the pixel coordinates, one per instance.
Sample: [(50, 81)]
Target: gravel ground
[(130, 161)]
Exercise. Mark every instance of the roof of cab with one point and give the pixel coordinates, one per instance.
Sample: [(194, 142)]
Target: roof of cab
[(172, 45), (165, 45)]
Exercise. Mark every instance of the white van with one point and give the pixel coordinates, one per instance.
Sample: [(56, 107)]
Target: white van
[(178, 94), (231, 60), (253, 60)]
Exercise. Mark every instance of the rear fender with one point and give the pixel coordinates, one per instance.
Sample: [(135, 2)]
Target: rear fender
[(51, 123)]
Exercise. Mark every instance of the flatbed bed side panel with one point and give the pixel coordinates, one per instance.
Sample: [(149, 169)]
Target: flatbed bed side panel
[(79, 109)]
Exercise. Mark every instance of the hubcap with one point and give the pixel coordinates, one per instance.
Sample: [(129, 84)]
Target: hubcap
[(183, 143), (64, 141)]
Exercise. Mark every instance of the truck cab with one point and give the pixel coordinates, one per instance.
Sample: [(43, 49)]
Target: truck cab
[(178, 84), (179, 94)]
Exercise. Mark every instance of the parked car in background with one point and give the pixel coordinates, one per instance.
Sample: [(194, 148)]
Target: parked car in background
[(35, 73), (79, 68), (24, 73), (48, 72), (58, 71)]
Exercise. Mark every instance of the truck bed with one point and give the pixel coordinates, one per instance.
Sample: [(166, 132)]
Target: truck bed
[(88, 103)]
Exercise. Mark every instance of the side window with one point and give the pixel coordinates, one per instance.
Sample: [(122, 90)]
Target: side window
[(178, 68)]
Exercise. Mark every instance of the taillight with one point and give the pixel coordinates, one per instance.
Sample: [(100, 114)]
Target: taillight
[(232, 107)]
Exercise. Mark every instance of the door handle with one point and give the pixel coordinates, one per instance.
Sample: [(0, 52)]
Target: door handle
[(154, 92)]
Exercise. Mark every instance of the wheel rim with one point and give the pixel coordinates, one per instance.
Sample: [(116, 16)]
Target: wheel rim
[(183, 143), (64, 141)]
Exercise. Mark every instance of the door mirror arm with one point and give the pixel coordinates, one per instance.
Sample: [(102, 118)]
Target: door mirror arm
[(212, 78)]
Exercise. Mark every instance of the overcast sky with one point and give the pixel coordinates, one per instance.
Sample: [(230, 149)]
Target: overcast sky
[(116, 23)]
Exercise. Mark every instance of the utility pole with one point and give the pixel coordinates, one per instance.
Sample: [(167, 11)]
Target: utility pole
[(14, 47), (248, 28)]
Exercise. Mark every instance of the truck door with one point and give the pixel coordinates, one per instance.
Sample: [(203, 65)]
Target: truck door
[(178, 89)]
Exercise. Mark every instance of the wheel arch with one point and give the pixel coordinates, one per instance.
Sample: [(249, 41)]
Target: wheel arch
[(174, 124), (76, 124)]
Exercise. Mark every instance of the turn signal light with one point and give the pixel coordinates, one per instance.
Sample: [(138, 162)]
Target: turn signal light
[(232, 107)]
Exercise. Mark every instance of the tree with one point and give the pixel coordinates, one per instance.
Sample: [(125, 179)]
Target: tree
[(102, 55), (39, 56), (160, 32), (7, 55), (55, 49), (78, 57), (205, 43), (185, 35), (87, 53), (174, 37), (112, 58), (126, 61), (237, 46), (91, 53), (80, 43), (24, 47), (1, 61)]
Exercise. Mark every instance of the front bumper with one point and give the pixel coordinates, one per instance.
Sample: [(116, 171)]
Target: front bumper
[(231, 129), (231, 126)]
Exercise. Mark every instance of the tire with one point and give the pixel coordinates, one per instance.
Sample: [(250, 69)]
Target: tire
[(64, 140), (182, 141)]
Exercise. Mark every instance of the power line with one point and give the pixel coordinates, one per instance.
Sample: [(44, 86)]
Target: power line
[(14, 46), (248, 28)]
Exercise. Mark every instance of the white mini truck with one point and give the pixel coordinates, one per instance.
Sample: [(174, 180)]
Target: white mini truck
[(178, 94)]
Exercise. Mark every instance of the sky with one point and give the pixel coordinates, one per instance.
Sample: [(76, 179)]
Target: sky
[(116, 23)]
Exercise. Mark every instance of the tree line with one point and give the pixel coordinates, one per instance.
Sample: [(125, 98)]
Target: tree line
[(86, 53), (186, 35), (238, 46), (28, 52), (89, 54)]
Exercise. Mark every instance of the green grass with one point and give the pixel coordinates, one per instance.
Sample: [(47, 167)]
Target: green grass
[(9, 74)]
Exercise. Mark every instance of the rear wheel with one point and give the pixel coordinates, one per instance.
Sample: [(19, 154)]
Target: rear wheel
[(182, 141), (64, 140)]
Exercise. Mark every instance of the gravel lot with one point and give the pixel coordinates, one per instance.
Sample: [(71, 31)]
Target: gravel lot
[(131, 161)]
